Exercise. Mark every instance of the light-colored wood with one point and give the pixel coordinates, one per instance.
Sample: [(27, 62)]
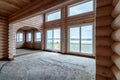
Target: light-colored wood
[(106, 72), (116, 23), (104, 61), (103, 39), (116, 35), (116, 10), (3, 38), (99, 77), (116, 60), (103, 51), (8, 7), (116, 47), (104, 21), (116, 72), (101, 3), (115, 2), (104, 11), (104, 31)]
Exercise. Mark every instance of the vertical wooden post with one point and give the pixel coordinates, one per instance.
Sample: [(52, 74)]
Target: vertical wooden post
[(43, 34), (64, 30)]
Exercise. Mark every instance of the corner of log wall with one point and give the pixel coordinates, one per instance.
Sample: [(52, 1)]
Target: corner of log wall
[(116, 37), (103, 40), (3, 38)]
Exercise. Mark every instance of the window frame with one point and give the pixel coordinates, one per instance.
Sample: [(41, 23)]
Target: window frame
[(93, 39), (78, 3), (27, 39), (35, 36), (18, 38), (51, 13), (53, 40)]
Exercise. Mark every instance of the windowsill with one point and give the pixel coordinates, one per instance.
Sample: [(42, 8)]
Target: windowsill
[(58, 51), (81, 54)]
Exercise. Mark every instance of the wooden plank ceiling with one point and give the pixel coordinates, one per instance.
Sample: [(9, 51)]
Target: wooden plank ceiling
[(9, 7)]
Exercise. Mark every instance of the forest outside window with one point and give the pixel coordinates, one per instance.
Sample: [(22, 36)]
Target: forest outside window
[(80, 8), (81, 39), (55, 15), (19, 37), (53, 39)]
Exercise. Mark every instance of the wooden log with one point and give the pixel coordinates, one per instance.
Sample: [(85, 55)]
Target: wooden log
[(99, 77), (103, 41), (116, 24), (104, 71), (101, 3), (116, 35), (116, 47), (103, 51), (116, 10), (104, 61), (103, 31), (104, 21), (115, 2), (116, 72), (116, 60), (104, 11)]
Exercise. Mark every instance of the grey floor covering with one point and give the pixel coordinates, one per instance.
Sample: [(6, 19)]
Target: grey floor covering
[(48, 66)]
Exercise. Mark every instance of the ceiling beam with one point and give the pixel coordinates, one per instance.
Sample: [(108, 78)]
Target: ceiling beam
[(12, 3), (37, 6), (8, 4)]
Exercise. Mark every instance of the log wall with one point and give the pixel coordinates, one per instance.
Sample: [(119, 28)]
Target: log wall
[(3, 38), (103, 40), (116, 38)]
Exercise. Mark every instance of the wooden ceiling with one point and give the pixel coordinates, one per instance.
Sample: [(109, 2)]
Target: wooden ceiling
[(9, 7)]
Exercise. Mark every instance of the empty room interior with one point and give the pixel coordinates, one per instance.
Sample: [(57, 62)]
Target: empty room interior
[(59, 40)]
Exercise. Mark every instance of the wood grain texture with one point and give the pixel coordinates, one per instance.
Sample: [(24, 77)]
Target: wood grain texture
[(3, 38), (103, 40)]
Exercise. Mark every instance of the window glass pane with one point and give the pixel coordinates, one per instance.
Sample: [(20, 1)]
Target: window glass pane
[(19, 37), (29, 37), (49, 44), (81, 8), (56, 39), (37, 36), (74, 42), (53, 16), (86, 39)]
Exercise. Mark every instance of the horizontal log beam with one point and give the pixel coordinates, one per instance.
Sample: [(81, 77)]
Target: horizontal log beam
[(116, 10), (116, 48), (104, 61), (116, 23), (104, 71), (116, 35), (116, 72), (116, 60)]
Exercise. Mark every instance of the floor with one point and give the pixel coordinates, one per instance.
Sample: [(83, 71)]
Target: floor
[(48, 66), (25, 51)]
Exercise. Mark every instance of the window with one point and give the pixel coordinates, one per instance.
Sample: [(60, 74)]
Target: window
[(37, 36), (80, 8), (53, 39), (53, 15), (19, 37), (81, 39), (29, 37)]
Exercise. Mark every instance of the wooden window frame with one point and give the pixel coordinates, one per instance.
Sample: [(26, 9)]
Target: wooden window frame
[(93, 40)]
